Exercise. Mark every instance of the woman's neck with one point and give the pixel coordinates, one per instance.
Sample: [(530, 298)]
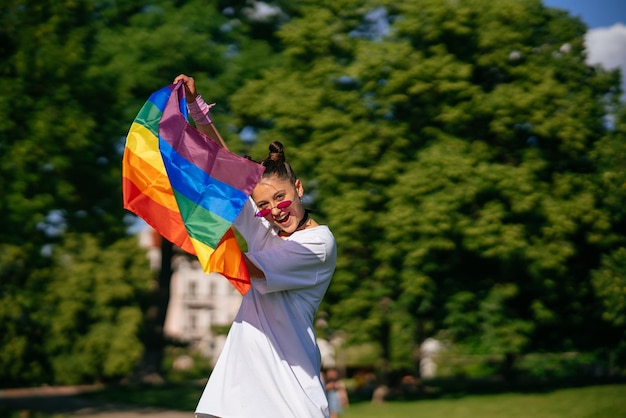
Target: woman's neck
[(303, 221)]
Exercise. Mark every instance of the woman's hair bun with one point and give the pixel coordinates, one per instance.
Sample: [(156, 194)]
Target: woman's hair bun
[(277, 152), (276, 165)]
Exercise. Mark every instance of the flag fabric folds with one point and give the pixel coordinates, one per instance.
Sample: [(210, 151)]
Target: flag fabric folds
[(187, 187)]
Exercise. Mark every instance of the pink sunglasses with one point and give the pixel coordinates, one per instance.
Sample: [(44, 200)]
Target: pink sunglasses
[(280, 205)]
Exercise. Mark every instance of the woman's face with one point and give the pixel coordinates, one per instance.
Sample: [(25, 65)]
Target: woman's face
[(270, 192)]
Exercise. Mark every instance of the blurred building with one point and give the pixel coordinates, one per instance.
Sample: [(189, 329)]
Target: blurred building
[(202, 306)]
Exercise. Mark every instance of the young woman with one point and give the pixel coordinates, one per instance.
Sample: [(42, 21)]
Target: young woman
[(270, 364)]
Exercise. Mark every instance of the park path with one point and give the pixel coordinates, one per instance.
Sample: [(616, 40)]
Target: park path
[(64, 400)]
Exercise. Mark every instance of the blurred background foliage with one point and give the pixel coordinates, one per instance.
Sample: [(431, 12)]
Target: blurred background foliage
[(469, 162)]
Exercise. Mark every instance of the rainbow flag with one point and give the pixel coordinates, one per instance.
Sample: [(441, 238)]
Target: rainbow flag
[(187, 187)]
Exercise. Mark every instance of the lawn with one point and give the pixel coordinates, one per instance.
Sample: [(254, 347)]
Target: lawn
[(601, 401), (608, 401)]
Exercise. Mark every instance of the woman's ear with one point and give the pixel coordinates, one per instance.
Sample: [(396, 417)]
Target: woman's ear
[(299, 188)]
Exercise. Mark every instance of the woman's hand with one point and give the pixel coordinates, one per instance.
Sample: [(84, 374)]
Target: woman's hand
[(202, 117), (190, 86)]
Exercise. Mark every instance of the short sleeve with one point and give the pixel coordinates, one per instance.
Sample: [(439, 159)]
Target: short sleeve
[(305, 259)]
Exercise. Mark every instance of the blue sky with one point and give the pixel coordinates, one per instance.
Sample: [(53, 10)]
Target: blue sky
[(605, 40), (595, 13)]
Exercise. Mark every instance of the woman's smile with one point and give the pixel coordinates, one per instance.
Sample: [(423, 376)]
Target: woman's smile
[(283, 218)]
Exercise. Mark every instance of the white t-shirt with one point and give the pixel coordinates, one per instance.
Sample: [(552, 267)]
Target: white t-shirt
[(270, 364)]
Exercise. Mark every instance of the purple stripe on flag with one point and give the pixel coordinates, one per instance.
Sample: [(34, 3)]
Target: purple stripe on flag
[(206, 154)]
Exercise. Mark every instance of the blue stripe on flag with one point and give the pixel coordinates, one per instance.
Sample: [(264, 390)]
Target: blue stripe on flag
[(195, 184)]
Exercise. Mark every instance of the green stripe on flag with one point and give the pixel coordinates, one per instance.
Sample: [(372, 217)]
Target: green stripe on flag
[(202, 225), (149, 116)]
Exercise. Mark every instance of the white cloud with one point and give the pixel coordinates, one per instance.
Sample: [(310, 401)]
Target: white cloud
[(607, 46)]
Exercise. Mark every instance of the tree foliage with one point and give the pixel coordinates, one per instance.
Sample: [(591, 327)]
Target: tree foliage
[(448, 146), (93, 314), (74, 75), (467, 159)]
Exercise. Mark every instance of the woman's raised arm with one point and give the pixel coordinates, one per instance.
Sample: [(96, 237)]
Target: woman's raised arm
[(199, 110)]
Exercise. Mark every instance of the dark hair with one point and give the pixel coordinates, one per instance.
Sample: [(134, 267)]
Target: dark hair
[(275, 164)]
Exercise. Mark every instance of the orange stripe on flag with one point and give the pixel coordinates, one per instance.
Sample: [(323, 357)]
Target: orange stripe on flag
[(149, 180), (227, 259), (168, 222)]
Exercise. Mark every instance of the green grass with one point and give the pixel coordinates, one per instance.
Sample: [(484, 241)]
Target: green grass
[(601, 401), (608, 401)]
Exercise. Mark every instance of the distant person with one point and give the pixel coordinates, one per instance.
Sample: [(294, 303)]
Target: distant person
[(335, 392), (270, 365)]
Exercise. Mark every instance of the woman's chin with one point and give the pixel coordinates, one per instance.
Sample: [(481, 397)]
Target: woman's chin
[(287, 226)]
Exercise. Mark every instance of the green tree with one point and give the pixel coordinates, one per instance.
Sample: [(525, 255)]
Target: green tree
[(58, 155), (609, 279), (94, 309), (21, 358), (448, 147), (74, 75), (52, 168)]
